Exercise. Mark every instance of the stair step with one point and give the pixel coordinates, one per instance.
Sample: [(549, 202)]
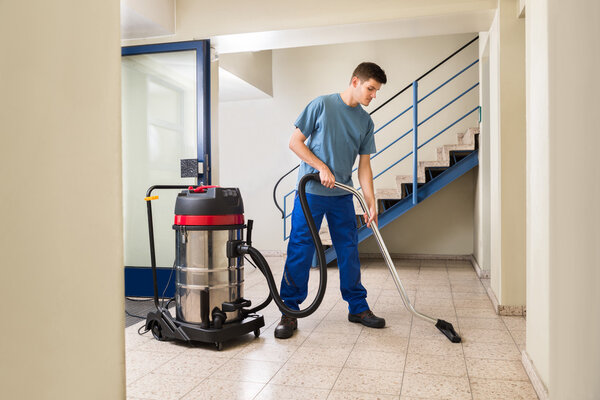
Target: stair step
[(468, 136), (387, 194)]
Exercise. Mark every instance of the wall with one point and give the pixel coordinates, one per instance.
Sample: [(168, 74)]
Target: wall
[(538, 189), (563, 179), (254, 134), (60, 167), (482, 227), (430, 228), (253, 67), (574, 193), (507, 155)]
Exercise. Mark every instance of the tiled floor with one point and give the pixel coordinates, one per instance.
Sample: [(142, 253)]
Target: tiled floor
[(331, 358)]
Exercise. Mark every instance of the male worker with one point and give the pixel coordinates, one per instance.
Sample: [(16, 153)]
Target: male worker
[(338, 130)]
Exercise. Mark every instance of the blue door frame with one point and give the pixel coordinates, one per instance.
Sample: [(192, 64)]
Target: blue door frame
[(138, 280)]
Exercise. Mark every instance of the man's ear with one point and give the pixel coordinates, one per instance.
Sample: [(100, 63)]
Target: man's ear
[(355, 81)]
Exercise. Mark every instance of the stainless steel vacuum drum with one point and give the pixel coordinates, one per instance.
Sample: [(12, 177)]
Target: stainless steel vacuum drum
[(206, 218)]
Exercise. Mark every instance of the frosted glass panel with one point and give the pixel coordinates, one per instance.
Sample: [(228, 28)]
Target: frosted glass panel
[(159, 129)]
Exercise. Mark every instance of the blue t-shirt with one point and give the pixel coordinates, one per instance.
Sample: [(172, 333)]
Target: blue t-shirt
[(336, 134)]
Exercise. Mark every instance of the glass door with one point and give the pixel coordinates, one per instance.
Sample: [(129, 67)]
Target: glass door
[(164, 135)]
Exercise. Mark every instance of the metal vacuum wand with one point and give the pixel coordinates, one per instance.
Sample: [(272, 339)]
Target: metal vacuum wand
[(445, 327)]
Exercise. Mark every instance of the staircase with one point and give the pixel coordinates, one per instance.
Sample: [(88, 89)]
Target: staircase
[(453, 159)]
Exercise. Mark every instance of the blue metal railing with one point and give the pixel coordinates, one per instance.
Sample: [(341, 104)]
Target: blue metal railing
[(416, 124)]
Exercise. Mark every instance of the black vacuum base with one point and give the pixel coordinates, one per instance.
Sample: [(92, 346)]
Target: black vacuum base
[(164, 327)]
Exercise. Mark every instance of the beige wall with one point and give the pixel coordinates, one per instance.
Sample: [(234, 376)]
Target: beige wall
[(482, 226), (440, 225), (507, 155), (538, 189), (254, 134), (60, 168), (256, 68), (574, 258), (563, 177)]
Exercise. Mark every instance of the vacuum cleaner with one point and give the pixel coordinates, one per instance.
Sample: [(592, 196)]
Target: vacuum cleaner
[(209, 268)]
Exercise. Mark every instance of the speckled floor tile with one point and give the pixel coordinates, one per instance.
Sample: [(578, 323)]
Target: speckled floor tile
[(188, 364), (162, 347), (323, 339), (427, 292), (495, 351), (140, 363), (515, 323), (267, 352), (393, 329), (470, 296), (369, 381), (160, 386), (487, 312), (277, 392), (468, 288), (435, 386), (247, 370), (436, 365), (268, 337), (219, 389), (330, 358), (343, 395), (486, 389), (322, 356), (481, 323), (486, 336), (343, 327), (496, 369), (519, 337), (377, 360), (440, 346), (384, 343), (472, 303), (306, 375)]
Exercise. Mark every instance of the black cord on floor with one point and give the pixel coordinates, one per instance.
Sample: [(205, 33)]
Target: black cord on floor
[(145, 330), (247, 259)]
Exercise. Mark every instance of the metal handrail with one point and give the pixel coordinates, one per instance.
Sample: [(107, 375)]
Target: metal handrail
[(386, 102)]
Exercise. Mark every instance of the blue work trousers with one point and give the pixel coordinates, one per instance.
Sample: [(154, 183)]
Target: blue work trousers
[(342, 227)]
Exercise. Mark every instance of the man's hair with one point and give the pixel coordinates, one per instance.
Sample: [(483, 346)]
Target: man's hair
[(367, 70)]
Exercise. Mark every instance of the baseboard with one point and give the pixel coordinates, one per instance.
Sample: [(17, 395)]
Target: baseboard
[(537, 383), (481, 273)]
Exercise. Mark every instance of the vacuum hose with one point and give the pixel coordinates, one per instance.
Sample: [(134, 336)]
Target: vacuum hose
[(262, 264)]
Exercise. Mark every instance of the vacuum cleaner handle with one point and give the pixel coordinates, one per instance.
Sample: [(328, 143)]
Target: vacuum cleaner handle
[(445, 327)]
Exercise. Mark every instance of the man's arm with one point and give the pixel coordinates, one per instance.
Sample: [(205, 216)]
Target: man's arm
[(365, 177), (297, 146)]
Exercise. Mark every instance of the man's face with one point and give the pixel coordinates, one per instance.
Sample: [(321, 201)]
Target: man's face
[(366, 91)]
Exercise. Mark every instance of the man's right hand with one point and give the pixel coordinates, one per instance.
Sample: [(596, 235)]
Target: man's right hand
[(327, 178)]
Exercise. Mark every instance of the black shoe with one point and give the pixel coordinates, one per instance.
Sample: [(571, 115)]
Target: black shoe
[(367, 318), (286, 327)]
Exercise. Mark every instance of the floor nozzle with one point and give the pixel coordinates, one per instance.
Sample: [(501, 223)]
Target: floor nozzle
[(447, 329)]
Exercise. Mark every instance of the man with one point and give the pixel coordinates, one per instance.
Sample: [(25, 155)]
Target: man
[(338, 130)]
